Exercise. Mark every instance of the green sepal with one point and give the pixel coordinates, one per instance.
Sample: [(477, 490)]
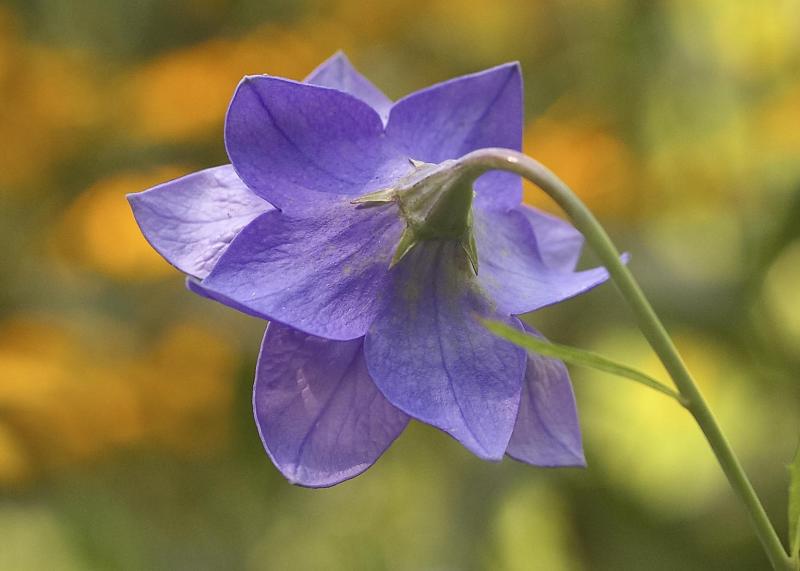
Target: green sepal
[(407, 241), (383, 196), (435, 202), (470, 247)]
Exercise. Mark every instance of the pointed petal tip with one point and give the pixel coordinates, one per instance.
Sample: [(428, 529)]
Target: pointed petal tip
[(338, 55), (252, 80), (312, 483), (578, 461), (191, 220), (486, 455), (566, 459), (338, 72), (513, 66), (136, 202), (247, 79), (292, 476), (252, 77), (572, 458)]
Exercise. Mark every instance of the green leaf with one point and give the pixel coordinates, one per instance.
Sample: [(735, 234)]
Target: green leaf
[(578, 357), (794, 505)]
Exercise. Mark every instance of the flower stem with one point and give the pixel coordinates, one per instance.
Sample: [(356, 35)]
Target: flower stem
[(650, 325)]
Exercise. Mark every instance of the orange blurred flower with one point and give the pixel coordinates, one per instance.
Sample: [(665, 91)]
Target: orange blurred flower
[(67, 398), (99, 232), (186, 390), (588, 156), (185, 93)]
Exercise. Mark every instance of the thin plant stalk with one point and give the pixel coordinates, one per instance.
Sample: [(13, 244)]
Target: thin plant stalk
[(509, 160)]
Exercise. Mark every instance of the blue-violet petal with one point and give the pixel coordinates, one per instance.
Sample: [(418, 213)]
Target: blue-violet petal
[(320, 416), (432, 358), (453, 118), (547, 432), (318, 271), (513, 270), (297, 144), (337, 72), (192, 220)]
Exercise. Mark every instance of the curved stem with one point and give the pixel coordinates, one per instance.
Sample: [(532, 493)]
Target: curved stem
[(508, 160)]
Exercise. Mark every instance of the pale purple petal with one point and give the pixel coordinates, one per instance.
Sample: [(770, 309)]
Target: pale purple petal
[(319, 271), (547, 432), (338, 73), (513, 271), (296, 144), (320, 416), (431, 357), (192, 220), (560, 244), (450, 119)]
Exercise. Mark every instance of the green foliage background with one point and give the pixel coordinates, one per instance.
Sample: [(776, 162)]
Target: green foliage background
[(126, 435)]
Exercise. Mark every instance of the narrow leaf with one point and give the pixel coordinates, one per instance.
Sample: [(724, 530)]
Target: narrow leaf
[(576, 356), (794, 505)]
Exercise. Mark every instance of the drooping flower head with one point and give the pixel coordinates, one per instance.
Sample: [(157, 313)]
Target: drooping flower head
[(343, 220)]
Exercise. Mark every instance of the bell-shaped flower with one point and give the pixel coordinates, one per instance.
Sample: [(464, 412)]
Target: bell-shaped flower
[(344, 220)]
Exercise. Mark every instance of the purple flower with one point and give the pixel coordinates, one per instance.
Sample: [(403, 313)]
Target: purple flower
[(337, 222)]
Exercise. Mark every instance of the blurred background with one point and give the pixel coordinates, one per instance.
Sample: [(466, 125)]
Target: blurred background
[(126, 435)]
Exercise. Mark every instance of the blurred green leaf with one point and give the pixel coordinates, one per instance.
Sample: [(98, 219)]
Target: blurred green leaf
[(578, 357), (794, 505)]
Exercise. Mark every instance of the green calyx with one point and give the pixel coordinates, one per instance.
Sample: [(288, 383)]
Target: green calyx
[(436, 203)]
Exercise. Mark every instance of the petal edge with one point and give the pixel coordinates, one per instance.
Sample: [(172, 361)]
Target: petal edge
[(295, 143), (452, 118), (547, 432), (192, 220), (320, 417), (339, 73)]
